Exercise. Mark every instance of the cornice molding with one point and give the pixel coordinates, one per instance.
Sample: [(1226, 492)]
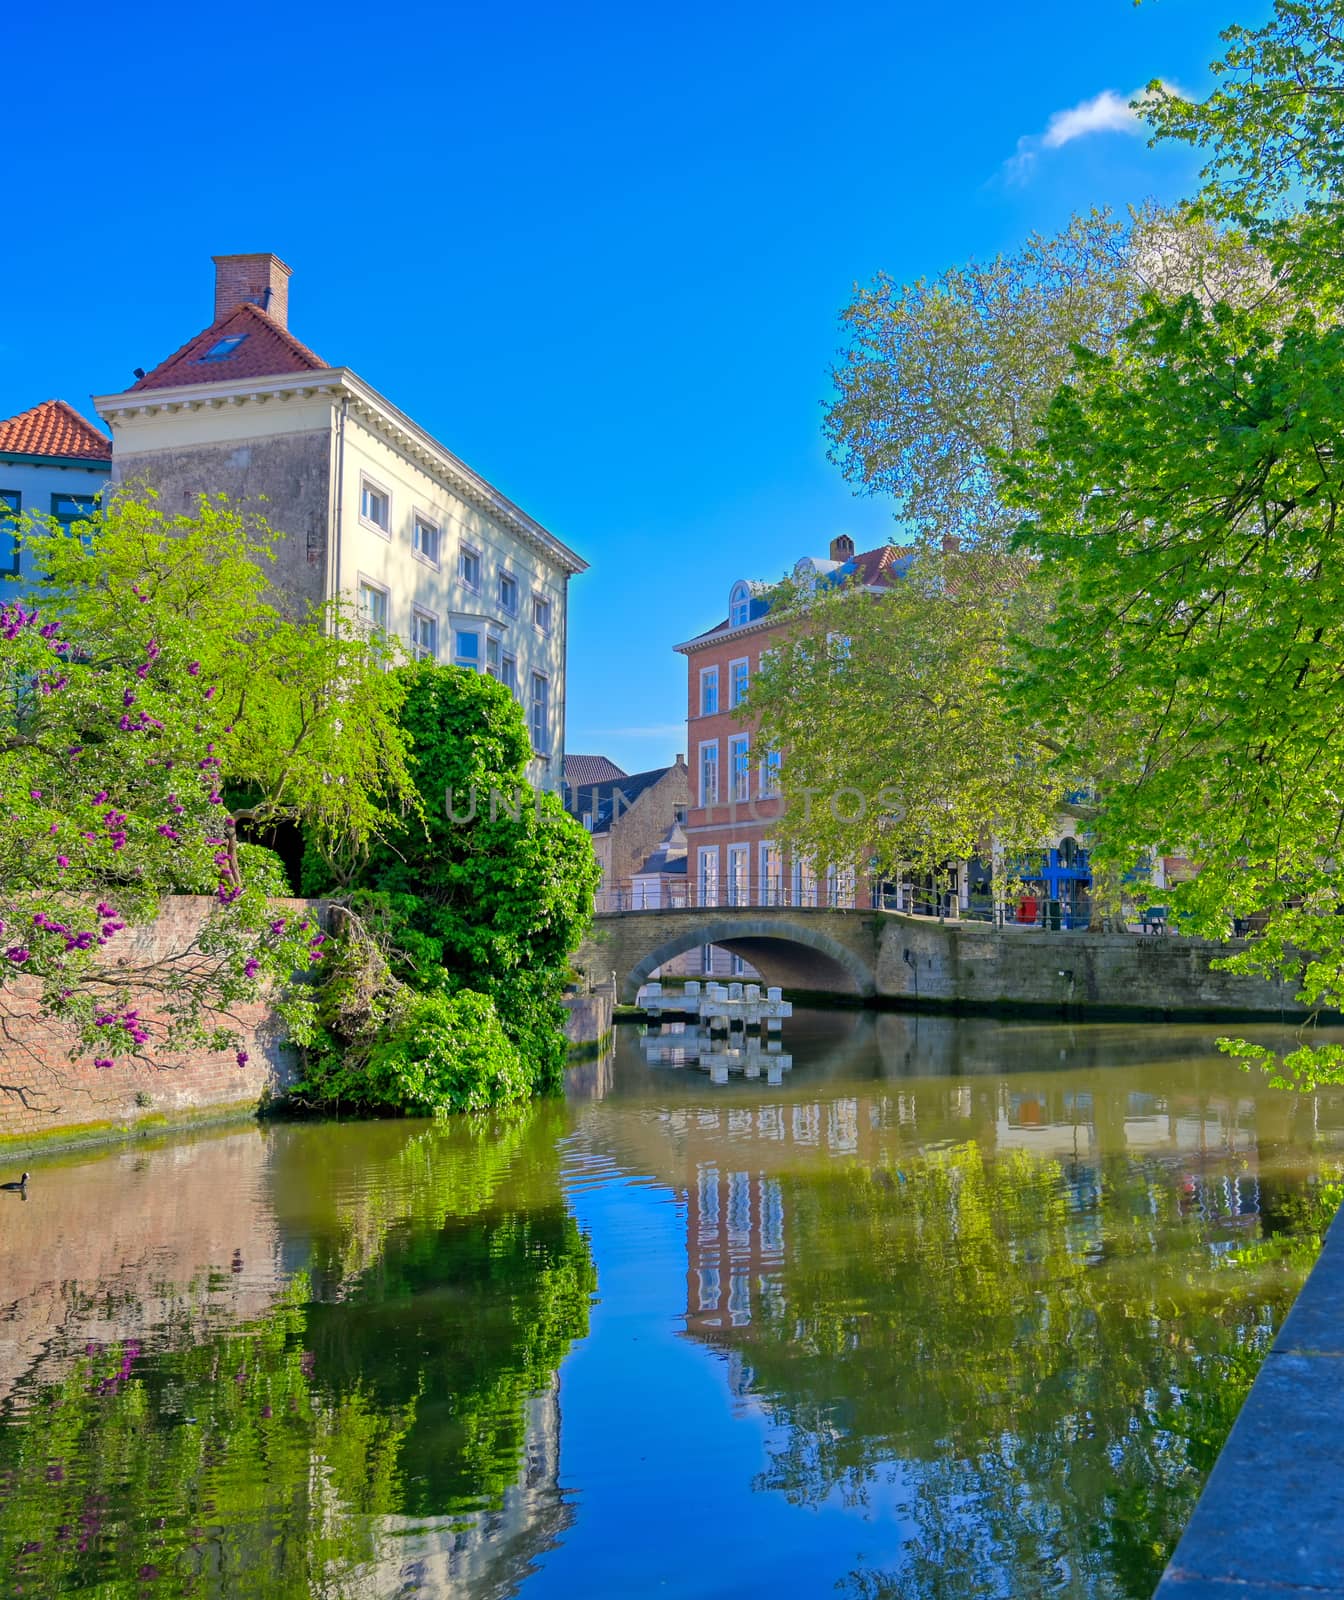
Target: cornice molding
[(373, 412)]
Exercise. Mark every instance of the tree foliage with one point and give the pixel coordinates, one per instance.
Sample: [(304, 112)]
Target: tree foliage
[(456, 943), (901, 749), (153, 666)]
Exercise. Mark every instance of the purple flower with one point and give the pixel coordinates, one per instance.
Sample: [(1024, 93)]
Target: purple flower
[(242, 1058), (193, 669), (103, 1062), (167, 832), (250, 970), (35, 794), (62, 862), (128, 698), (17, 954), (100, 797)]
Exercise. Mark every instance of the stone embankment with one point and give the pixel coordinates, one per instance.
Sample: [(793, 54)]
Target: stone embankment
[(1270, 1522)]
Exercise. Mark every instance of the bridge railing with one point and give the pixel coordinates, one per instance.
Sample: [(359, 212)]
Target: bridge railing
[(648, 894), (641, 894)]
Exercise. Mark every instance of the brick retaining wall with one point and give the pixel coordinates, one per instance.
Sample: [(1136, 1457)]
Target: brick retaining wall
[(44, 1094)]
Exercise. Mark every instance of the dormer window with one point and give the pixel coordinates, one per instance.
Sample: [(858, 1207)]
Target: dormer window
[(739, 605), (224, 349)]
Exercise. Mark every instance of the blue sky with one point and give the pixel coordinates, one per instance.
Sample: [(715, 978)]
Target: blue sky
[(598, 250)]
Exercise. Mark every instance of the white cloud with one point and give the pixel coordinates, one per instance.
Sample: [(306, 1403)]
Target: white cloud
[(1107, 112)]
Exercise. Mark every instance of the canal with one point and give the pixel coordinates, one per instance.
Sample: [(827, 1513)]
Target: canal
[(954, 1308)]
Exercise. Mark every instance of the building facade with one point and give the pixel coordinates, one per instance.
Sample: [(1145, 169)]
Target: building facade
[(628, 819), (734, 858), (53, 463), (368, 505)]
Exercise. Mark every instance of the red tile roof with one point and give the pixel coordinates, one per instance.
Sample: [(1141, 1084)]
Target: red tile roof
[(265, 350), (54, 429)]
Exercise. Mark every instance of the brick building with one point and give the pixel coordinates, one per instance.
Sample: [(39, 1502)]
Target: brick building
[(733, 858), (52, 464)]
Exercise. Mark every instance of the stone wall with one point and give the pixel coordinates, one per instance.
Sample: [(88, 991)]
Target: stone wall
[(286, 478), (45, 1094), (971, 965)]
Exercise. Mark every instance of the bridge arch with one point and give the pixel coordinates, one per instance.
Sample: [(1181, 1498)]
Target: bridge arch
[(802, 955)]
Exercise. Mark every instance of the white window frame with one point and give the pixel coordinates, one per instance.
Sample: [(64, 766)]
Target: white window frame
[(739, 770), (739, 881), (371, 484), (465, 552), (493, 642), (509, 577), (702, 788), (508, 673), (739, 596), (374, 587), (468, 631), (709, 675), (420, 652), (768, 780), (804, 882), (707, 874), (543, 626), (543, 748), (734, 698), (421, 519), (770, 884)]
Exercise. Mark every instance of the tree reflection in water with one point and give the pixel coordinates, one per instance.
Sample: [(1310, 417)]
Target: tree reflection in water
[(1046, 1407), (397, 1399)]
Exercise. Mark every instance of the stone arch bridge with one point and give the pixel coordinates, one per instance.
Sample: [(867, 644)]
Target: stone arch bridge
[(820, 951)]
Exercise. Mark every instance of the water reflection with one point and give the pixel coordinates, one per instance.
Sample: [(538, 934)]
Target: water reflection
[(1019, 1302), (330, 1368), (949, 1309)]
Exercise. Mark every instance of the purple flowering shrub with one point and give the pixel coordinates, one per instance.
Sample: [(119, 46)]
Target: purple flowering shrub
[(109, 797), (152, 669)]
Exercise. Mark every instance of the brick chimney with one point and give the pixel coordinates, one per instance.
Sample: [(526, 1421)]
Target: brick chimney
[(259, 280), (842, 547), (951, 544)]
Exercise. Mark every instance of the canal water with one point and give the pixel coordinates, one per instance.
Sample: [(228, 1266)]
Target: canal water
[(954, 1308)]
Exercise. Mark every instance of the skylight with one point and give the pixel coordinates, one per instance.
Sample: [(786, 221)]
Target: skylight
[(224, 349)]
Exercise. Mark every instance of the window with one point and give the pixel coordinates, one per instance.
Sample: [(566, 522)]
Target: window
[(469, 567), (223, 349), (837, 647), (739, 676), (709, 773), (541, 613), (770, 775), (492, 654), (11, 504), (467, 648), (508, 674), (709, 691), (709, 880), (739, 605), (425, 539), (739, 971), (739, 767), (804, 882), (588, 821), (707, 967), (375, 505), (373, 605), (541, 713), (508, 594), (69, 509), (772, 875), (424, 636), (739, 857)]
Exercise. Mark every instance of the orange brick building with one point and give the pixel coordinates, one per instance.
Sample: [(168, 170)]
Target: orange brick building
[(733, 856)]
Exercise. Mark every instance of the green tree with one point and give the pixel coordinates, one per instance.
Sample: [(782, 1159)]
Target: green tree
[(900, 749), (456, 946), (941, 378), (1272, 132)]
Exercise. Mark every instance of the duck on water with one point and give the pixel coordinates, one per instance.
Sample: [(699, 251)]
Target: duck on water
[(21, 1184)]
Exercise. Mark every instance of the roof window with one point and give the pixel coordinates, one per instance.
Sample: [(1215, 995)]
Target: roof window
[(224, 349)]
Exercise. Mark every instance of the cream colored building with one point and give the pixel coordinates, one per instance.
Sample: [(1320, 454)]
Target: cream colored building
[(369, 505)]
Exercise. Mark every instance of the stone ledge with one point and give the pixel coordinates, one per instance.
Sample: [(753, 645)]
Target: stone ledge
[(1271, 1518)]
